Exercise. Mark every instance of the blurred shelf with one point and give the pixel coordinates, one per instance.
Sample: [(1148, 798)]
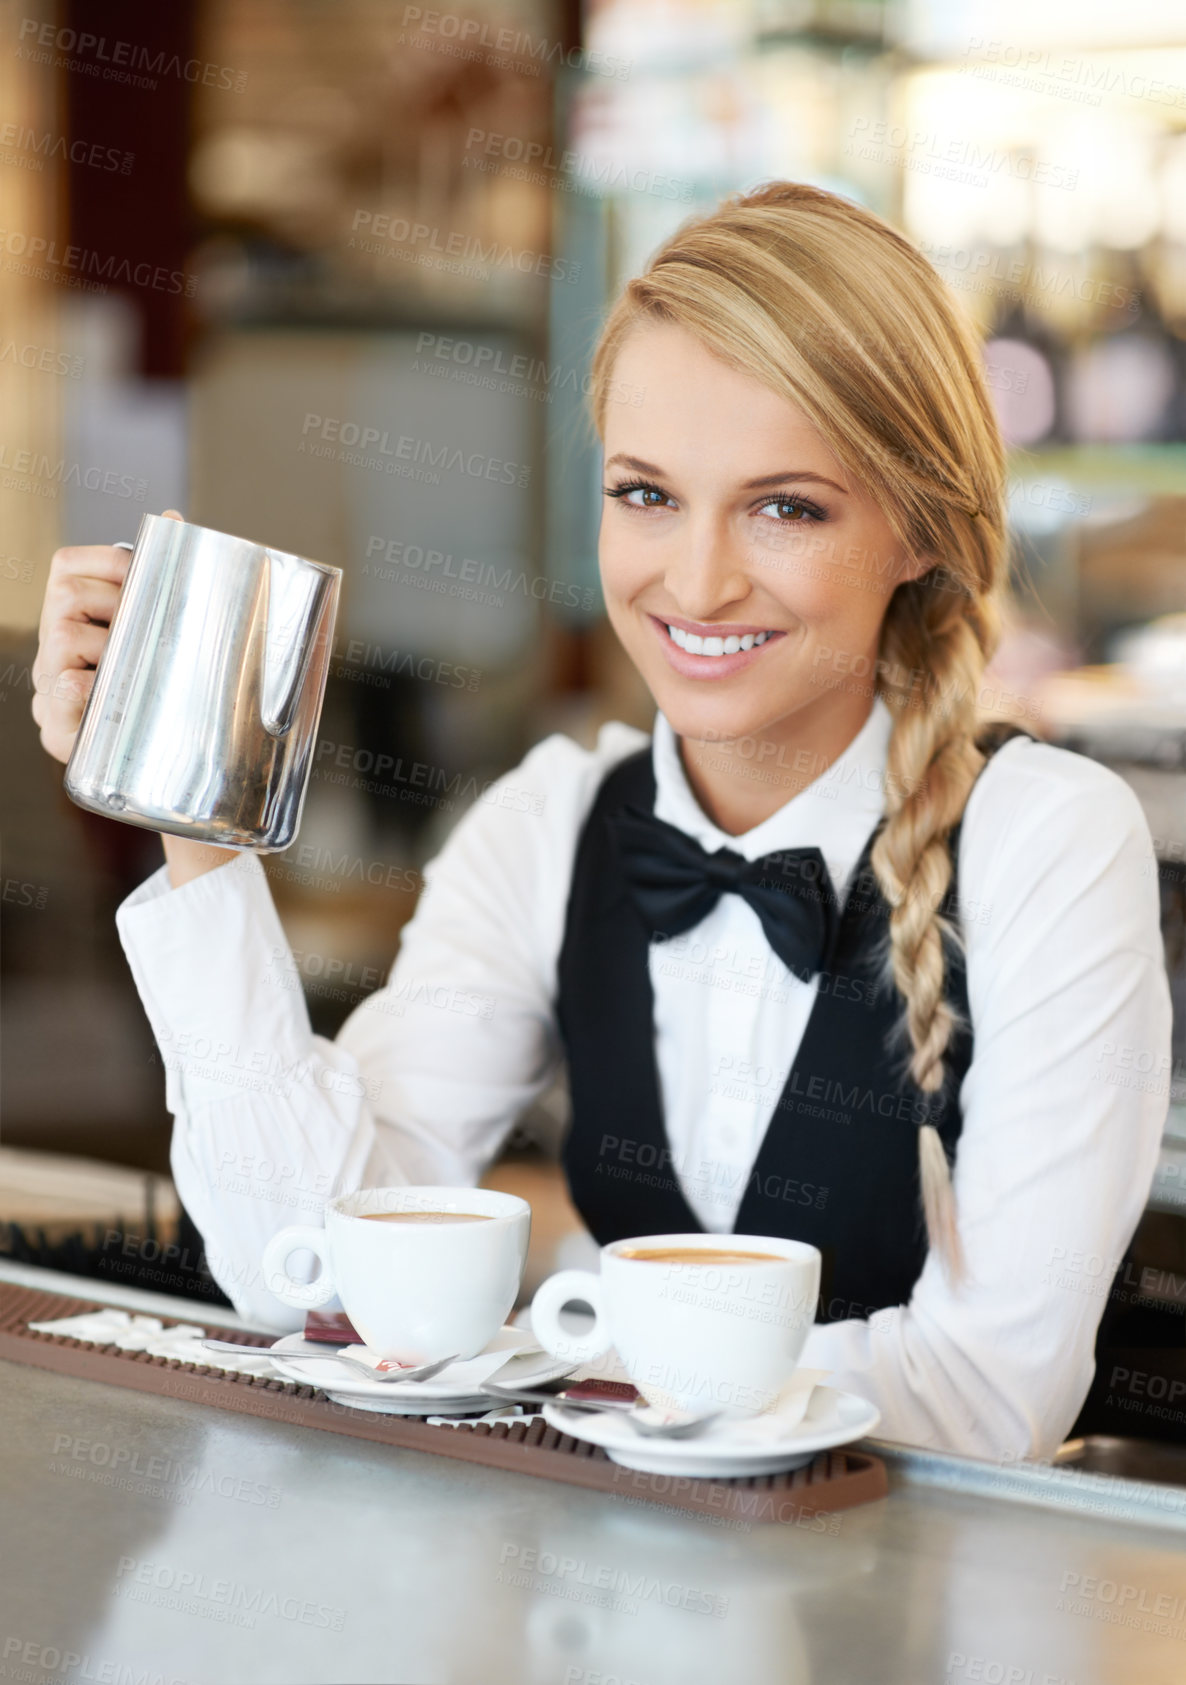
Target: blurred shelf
[(59, 1194), (1156, 468), (316, 311)]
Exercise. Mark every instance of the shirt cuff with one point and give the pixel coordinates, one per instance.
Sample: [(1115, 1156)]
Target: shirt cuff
[(218, 982)]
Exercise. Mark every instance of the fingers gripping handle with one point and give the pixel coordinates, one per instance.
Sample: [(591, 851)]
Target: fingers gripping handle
[(304, 1295), (558, 1291)]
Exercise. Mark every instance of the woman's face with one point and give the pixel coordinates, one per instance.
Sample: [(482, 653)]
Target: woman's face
[(744, 570)]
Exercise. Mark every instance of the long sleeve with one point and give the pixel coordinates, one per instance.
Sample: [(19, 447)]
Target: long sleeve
[(427, 1075), (1063, 1110)]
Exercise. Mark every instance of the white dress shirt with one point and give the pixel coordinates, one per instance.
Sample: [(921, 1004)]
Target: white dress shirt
[(1063, 1105)]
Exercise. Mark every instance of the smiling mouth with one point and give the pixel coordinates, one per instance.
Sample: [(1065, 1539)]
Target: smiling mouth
[(693, 644)]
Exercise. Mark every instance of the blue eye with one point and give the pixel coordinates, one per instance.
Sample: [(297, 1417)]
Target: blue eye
[(785, 510), (648, 496)]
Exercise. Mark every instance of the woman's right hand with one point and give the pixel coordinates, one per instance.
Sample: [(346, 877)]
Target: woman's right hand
[(80, 597), (84, 584)]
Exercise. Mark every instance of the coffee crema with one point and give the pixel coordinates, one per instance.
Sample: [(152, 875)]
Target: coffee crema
[(425, 1216), (699, 1255)]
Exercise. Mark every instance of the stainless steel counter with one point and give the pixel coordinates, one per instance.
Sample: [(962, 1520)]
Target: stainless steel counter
[(148, 1539)]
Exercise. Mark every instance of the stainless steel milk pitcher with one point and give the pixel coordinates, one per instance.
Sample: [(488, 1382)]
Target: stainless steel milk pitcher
[(204, 712)]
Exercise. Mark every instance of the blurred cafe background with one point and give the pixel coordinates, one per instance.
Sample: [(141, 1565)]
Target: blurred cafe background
[(295, 267)]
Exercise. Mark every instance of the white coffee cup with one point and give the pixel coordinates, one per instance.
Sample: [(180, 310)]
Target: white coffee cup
[(692, 1336), (414, 1291)]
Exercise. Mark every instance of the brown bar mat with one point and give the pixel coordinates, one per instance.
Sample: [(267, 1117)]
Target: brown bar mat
[(835, 1480)]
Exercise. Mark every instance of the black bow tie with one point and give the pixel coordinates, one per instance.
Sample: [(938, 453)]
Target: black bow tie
[(676, 883)]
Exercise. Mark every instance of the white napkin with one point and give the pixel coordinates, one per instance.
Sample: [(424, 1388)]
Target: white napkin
[(468, 1375), (787, 1415), (148, 1334), (507, 1413), (773, 1425)]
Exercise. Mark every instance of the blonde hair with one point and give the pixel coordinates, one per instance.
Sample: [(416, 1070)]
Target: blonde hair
[(827, 305)]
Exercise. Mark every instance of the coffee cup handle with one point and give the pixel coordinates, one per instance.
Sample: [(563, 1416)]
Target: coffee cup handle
[(550, 1299), (304, 1295)]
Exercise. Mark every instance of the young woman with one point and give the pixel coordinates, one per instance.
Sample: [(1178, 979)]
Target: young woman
[(823, 958)]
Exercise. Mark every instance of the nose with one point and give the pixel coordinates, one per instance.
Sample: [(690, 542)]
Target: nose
[(707, 572)]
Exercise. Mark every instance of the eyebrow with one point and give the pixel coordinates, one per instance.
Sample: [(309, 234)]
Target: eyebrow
[(760, 484)]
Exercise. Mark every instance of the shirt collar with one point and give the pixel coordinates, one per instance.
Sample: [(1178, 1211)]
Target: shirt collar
[(835, 813)]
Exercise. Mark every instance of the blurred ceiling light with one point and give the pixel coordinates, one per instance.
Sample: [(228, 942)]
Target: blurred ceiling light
[(1022, 390), (997, 157), (1006, 212), (1113, 198), (992, 207), (939, 27), (1122, 184), (1062, 222), (969, 157)]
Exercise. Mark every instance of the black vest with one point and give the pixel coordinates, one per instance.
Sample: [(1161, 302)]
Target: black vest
[(838, 1166)]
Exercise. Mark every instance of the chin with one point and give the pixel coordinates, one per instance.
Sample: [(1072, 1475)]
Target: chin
[(708, 720)]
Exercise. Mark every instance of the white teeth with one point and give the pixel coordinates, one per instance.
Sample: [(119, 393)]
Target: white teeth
[(696, 645)]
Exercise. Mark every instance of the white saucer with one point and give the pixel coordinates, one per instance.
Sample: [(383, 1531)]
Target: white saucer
[(434, 1397), (833, 1418), (477, 1405)]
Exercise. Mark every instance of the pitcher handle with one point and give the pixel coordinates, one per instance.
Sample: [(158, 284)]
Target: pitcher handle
[(301, 605)]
